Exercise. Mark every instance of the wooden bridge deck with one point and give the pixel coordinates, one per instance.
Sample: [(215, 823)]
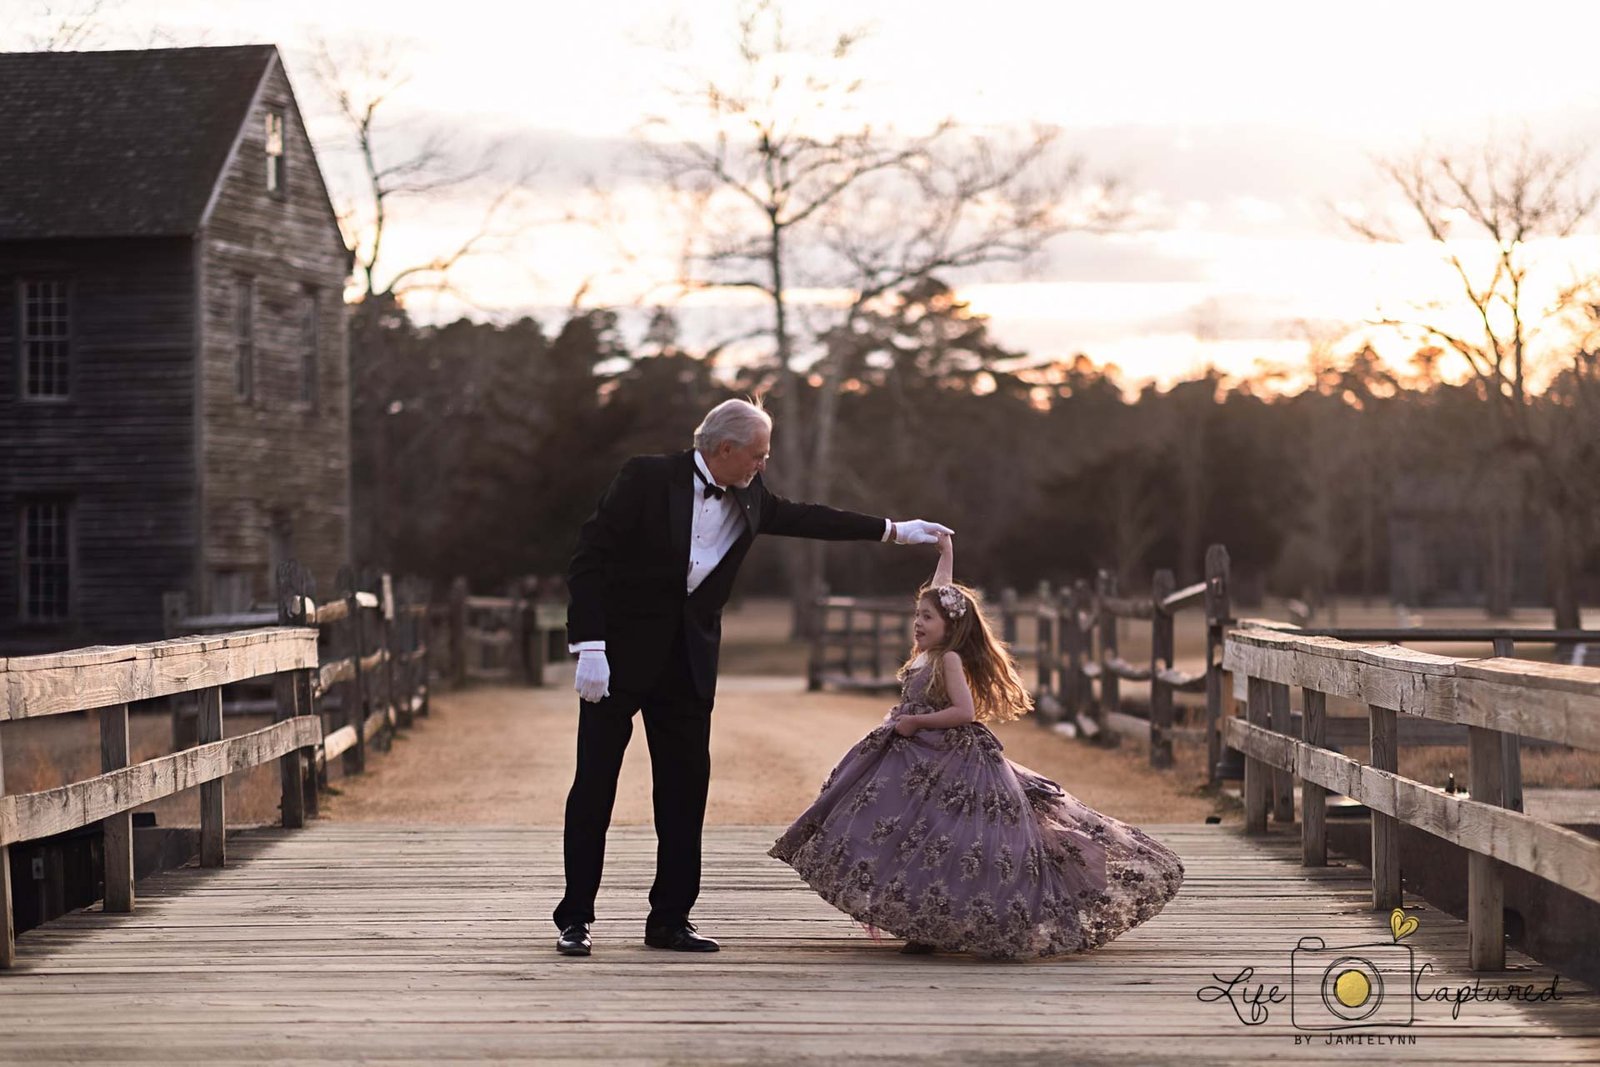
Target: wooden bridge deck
[(346, 942)]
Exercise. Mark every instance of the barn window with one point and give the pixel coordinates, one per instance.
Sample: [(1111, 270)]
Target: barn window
[(244, 341), (46, 330), (311, 306), (46, 559), (275, 152)]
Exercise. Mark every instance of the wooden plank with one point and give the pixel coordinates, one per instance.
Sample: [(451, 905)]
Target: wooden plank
[(1123, 669), (1555, 853), (434, 963), (213, 811), (491, 603), (1183, 681), (48, 685), (1183, 598), (338, 742), (28, 816), (116, 830), (335, 611), (1127, 607), (334, 672), (1549, 701)]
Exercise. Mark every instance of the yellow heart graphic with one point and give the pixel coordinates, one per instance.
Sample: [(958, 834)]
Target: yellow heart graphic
[(1400, 924)]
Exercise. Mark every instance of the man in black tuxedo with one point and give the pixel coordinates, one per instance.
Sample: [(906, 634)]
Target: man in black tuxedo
[(653, 568)]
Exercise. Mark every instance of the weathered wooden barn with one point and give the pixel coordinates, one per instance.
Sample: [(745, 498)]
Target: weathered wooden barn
[(174, 377)]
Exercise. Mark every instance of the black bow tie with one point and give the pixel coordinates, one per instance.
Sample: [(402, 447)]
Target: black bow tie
[(711, 490)]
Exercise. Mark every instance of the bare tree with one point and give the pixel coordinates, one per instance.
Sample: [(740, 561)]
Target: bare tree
[(787, 189), (69, 25), (1507, 197), (362, 82)]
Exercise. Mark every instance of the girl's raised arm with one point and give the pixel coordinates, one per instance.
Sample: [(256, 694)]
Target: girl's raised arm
[(944, 573)]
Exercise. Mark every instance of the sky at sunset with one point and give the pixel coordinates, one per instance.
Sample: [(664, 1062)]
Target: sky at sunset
[(1239, 130)]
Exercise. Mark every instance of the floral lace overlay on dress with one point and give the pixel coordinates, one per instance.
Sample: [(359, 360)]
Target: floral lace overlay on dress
[(939, 838)]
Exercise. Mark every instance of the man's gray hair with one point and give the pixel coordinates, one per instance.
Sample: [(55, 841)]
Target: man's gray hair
[(732, 420)]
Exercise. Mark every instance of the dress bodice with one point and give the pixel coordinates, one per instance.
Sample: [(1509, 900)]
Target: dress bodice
[(915, 688)]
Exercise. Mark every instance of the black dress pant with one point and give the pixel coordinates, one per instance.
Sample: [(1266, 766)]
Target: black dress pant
[(677, 725)]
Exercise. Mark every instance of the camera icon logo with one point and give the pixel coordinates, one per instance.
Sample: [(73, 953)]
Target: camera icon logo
[(1350, 986)]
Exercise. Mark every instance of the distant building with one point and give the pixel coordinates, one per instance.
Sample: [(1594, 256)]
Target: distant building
[(174, 379)]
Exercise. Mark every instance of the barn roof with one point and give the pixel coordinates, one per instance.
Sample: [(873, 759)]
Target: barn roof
[(119, 143)]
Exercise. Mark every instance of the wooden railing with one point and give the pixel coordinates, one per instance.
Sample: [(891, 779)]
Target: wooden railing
[(1079, 646), (1496, 699), (860, 643), (373, 673), (497, 638), (108, 678)]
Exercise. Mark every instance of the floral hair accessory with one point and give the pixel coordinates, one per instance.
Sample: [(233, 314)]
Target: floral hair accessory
[(952, 600)]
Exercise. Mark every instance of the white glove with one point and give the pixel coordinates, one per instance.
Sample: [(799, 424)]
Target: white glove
[(918, 532), (594, 676)]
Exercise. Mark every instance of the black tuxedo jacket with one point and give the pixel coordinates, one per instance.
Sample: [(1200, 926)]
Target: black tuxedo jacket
[(628, 576)]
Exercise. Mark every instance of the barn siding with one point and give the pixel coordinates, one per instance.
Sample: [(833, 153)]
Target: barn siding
[(121, 447), (275, 454)]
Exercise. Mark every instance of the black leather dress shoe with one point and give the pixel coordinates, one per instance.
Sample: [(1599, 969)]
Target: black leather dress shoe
[(574, 940), (679, 939)]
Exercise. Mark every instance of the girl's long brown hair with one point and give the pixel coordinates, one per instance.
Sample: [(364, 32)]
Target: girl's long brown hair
[(998, 694)]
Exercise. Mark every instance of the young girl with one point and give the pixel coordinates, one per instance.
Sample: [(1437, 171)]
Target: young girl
[(925, 830)]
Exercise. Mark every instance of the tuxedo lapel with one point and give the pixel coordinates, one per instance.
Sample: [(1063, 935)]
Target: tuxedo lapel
[(680, 503), (747, 507)]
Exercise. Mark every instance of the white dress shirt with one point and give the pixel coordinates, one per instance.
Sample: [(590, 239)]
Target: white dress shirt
[(715, 523)]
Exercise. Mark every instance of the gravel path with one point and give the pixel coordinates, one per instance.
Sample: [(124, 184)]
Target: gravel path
[(502, 756)]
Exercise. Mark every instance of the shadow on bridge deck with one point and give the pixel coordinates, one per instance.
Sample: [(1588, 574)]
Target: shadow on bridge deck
[(346, 942)]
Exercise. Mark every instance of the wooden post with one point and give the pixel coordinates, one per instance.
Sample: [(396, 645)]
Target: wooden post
[(1511, 758), (8, 934), (1045, 641), (116, 831), (1110, 684), (292, 603), (1217, 613), (1008, 616), (293, 790), (539, 645), (1313, 797), (849, 638), (354, 692), (1486, 935), (316, 770), (1282, 780), (213, 812), (423, 594), (1257, 775), (388, 642), (1071, 637), (877, 645), (819, 639), (458, 632), (518, 623), (1161, 657), (1386, 893)]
